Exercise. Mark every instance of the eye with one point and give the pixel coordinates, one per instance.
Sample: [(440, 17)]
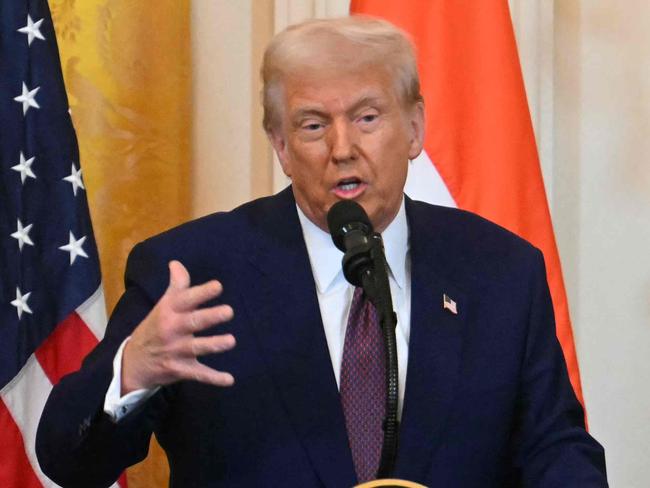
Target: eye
[(369, 118), (311, 129), (312, 126)]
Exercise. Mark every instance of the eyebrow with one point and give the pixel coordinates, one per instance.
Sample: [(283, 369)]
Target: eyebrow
[(318, 112), (367, 100), (308, 111)]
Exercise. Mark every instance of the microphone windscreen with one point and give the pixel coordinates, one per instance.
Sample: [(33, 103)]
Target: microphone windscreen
[(343, 216)]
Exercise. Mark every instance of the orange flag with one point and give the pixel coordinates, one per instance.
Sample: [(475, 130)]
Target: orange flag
[(480, 146)]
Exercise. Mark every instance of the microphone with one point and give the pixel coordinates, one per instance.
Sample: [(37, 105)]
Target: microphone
[(351, 232), (364, 264)]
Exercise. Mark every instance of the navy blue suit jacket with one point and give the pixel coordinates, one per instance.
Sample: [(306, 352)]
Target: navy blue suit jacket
[(487, 402)]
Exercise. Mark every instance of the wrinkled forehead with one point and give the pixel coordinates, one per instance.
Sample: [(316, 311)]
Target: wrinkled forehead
[(343, 86)]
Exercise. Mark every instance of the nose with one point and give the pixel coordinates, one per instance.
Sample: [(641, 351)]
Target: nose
[(343, 141)]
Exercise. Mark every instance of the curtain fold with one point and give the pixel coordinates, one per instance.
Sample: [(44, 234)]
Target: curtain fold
[(127, 68)]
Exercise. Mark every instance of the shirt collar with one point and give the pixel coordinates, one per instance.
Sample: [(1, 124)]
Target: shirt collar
[(325, 258)]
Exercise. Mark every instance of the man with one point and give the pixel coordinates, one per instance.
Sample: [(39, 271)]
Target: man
[(484, 394)]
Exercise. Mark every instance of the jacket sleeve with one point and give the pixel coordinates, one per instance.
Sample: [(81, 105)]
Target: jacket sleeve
[(554, 448), (77, 444)]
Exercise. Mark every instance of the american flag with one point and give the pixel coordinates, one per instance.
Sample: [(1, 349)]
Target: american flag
[(51, 299), (449, 304)]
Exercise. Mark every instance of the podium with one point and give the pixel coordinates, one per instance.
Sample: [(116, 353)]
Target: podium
[(390, 483)]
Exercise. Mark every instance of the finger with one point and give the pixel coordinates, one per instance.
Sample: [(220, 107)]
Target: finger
[(179, 277), (191, 298), (204, 374), (205, 318), (213, 344)]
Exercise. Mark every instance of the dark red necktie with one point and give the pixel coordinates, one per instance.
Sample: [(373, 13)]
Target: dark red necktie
[(363, 386)]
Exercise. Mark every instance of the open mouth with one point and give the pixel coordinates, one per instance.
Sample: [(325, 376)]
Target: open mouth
[(349, 188), (349, 184)]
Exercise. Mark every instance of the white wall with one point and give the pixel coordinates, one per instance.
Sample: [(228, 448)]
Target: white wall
[(232, 162), (602, 216)]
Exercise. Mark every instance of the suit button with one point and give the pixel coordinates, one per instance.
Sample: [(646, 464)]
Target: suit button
[(83, 427)]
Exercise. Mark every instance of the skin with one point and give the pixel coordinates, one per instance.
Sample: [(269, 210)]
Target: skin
[(163, 348), (350, 126)]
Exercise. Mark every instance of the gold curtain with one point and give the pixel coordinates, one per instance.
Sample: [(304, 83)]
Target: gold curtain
[(127, 69)]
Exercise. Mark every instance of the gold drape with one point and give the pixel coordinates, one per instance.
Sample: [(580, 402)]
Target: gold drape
[(127, 69)]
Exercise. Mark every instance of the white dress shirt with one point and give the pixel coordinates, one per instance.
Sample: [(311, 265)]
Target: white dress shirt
[(334, 299), (335, 293)]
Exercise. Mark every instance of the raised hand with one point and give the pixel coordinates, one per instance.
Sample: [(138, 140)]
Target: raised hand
[(163, 348)]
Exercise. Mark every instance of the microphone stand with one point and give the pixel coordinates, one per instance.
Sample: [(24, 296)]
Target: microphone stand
[(375, 284)]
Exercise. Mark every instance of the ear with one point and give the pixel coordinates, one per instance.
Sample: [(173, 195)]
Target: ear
[(279, 143), (416, 126)]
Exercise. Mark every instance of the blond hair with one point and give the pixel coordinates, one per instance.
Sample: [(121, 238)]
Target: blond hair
[(353, 43)]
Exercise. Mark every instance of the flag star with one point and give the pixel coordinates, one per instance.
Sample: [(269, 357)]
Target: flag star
[(22, 235), (33, 30), (24, 168), (21, 303), (74, 248), (27, 98), (75, 179)]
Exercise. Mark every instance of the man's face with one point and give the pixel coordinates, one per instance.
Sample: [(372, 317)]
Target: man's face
[(347, 136)]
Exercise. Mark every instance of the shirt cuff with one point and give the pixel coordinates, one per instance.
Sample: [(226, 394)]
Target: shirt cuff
[(117, 407)]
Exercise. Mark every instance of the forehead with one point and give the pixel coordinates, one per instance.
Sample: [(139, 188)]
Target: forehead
[(339, 89)]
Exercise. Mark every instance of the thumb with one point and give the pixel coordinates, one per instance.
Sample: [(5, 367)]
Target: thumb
[(179, 277)]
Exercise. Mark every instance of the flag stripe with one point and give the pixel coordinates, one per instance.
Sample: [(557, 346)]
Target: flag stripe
[(121, 482), (25, 397), (425, 184), (55, 355), (93, 313), (15, 469), (23, 400), (480, 136)]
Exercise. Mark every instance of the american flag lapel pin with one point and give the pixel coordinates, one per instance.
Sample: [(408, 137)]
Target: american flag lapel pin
[(449, 304)]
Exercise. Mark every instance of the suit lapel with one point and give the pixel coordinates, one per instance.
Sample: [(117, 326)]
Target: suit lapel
[(434, 348), (290, 333)]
